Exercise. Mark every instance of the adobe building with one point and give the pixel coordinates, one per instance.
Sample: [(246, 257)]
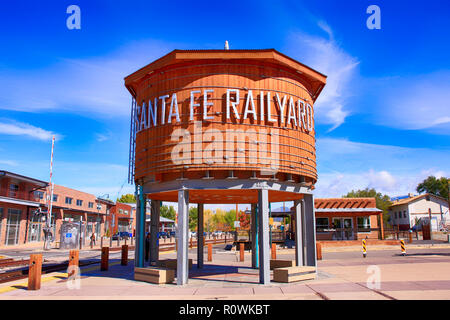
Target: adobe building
[(224, 126), (415, 210)]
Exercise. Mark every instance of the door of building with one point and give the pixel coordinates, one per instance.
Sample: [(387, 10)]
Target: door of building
[(344, 228), (348, 228), (13, 227)]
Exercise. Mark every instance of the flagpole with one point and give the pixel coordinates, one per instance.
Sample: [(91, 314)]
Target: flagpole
[(50, 201)]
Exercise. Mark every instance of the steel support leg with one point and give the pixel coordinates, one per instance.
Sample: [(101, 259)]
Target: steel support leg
[(200, 236), (254, 238), (182, 237), (154, 229), (299, 260), (309, 237), (263, 234)]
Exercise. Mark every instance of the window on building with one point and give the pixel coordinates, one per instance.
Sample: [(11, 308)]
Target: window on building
[(395, 214), (39, 194), (13, 190), (79, 202), (13, 227), (55, 197), (68, 200), (321, 223), (404, 214), (125, 212), (90, 204), (120, 211), (363, 224)]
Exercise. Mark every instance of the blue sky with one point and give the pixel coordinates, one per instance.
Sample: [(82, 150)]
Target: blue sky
[(382, 121)]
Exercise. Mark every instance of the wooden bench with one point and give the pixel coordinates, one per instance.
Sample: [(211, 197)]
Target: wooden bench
[(170, 263), (274, 264), (292, 274), (154, 275)]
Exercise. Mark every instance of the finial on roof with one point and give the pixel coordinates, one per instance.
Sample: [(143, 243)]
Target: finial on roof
[(226, 45)]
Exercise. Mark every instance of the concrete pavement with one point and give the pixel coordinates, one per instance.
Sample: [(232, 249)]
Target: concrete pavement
[(384, 275)]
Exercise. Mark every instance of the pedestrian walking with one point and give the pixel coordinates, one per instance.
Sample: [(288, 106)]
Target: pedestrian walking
[(147, 247), (92, 239)]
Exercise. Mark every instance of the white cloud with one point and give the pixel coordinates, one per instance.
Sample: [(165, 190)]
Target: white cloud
[(10, 163), (381, 180), (25, 129), (413, 102), (88, 86), (327, 57), (101, 137), (345, 165)]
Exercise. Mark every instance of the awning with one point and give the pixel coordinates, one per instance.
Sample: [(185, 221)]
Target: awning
[(20, 201)]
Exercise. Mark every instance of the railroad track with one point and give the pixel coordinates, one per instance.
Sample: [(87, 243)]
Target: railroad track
[(14, 275), (4, 263), (23, 274)]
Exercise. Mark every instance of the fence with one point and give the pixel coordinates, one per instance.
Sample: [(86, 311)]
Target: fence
[(346, 233)]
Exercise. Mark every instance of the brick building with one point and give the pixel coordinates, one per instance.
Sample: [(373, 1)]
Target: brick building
[(346, 219), (20, 196), (120, 218)]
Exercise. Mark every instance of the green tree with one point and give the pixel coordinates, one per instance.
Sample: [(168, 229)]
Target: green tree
[(168, 212), (433, 185), (127, 198), (193, 218), (382, 201), (230, 217)]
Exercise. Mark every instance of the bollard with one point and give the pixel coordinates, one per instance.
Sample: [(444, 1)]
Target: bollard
[(176, 245), (274, 251), (101, 242), (209, 252), (204, 241), (73, 261), (403, 248), (241, 251), (126, 238), (110, 242), (214, 239), (105, 257), (319, 250), (34, 272), (190, 242), (118, 241), (225, 238), (124, 260), (364, 248), (410, 237)]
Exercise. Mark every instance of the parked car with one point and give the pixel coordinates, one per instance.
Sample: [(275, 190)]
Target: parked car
[(162, 234), (172, 234), (121, 235)]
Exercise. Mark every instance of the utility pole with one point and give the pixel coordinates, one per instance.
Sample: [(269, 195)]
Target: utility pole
[(431, 226), (48, 222)]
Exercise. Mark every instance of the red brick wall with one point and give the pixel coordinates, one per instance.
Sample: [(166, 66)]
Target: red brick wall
[(22, 224), (115, 210)]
